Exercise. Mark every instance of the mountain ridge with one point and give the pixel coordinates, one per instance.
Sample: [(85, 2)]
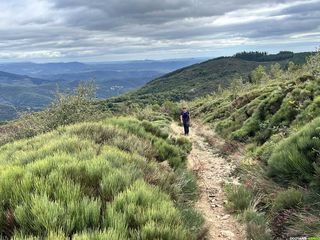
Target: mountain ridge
[(198, 80)]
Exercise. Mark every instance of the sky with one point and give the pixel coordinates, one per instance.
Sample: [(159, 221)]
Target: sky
[(112, 30)]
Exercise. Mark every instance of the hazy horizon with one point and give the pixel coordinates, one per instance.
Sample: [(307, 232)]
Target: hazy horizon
[(19, 61)]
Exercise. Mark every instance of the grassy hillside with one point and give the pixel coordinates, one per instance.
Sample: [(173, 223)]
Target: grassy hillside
[(74, 172), (200, 79), (97, 180), (278, 120)]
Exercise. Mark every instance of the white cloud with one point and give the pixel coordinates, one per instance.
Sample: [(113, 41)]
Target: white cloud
[(81, 29)]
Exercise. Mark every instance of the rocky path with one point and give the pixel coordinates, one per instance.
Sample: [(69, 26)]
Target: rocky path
[(212, 171)]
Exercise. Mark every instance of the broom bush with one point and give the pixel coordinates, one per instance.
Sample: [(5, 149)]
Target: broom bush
[(96, 180)]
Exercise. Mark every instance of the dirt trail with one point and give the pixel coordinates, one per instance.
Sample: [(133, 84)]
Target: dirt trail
[(212, 170)]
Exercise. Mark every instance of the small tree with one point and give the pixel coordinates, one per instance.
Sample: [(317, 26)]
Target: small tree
[(276, 71), (313, 64), (259, 75), (77, 106), (292, 67), (236, 86)]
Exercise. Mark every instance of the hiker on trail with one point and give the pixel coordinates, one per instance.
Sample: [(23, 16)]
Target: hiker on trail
[(185, 120)]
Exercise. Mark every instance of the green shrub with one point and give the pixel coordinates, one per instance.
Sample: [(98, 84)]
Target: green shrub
[(74, 107), (227, 126), (194, 221), (148, 210), (311, 112), (109, 234), (258, 123), (291, 198), (249, 129), (184, 144), (149, 127), (265, 151), (168, 152), (67, 183), (257, 232), (164, 150), (188, 184), (50, 236), (256, 225), (239, 198), (293, 159), (113, 183)]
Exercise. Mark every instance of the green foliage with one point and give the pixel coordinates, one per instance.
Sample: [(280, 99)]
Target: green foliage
[(65, 109), (239, 198), (261, 110), (313, 64), (276, 71), (259, 75), (171, 108), (278, 117), (183, 143), (296, 157), (256, 225), (96, 180), (166, 151), (149, 127), (111, 234), (265, 151), (194, 221), (288, 199), (147, 213), (310, 113), (188, 183)]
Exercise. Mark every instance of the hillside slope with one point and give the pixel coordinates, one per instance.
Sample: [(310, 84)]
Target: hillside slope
[(18, 92), (278, 122), (200, 79), (98, 180)]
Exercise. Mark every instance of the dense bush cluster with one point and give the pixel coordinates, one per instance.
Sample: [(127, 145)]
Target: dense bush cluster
[(97, 181)]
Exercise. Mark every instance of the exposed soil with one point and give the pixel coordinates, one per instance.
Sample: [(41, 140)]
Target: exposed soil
[(212, 169)]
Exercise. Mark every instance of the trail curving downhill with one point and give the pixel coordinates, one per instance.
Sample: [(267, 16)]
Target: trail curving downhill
[(212, 171)]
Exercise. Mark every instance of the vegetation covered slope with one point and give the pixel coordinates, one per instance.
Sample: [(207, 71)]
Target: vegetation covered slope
[(278, 119), (97, 181), (203, 78)]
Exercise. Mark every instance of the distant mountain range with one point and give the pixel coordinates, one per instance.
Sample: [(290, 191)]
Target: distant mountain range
[(42, 70), (32, 85)]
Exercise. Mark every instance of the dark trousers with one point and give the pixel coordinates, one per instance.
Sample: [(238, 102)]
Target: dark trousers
[(186, 128)]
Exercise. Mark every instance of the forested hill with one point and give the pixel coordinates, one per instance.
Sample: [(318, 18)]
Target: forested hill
[(204, 78)]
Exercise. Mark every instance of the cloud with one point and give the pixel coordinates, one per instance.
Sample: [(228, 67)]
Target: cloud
[(97, 29)]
